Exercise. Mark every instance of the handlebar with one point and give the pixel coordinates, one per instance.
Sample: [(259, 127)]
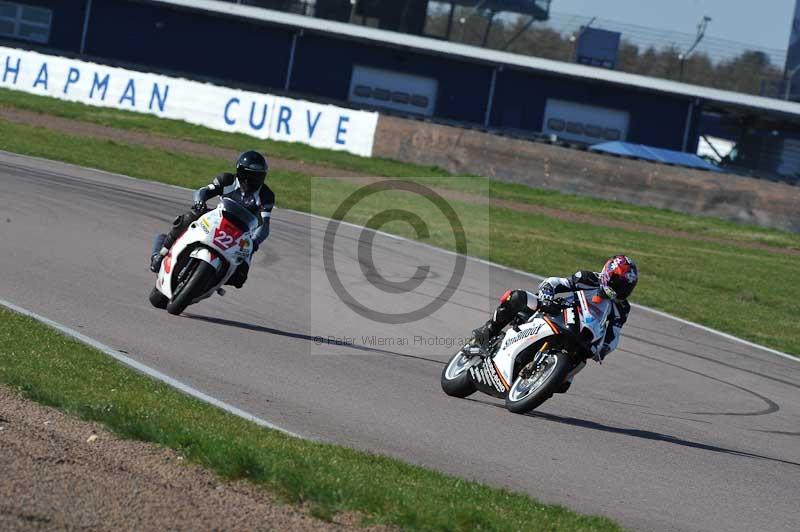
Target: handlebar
[(556, 305)]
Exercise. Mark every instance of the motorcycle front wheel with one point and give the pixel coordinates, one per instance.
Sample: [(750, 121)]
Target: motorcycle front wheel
[(456, 381), (157, 299), (191, 284), (529, 392)]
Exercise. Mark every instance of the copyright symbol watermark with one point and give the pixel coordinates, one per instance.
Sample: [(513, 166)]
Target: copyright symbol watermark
[(366, 252)]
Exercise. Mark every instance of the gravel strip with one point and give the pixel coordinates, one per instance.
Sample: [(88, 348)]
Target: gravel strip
[(60, 473)]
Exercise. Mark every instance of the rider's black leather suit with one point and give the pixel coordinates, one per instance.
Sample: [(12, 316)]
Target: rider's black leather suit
[(516, 301)]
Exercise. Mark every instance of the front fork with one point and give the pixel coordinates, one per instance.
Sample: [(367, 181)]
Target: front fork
[(540, 355), (535, 365)]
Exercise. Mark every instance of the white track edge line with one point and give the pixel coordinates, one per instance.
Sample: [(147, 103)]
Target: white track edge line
[(447, 251), (150, 372)]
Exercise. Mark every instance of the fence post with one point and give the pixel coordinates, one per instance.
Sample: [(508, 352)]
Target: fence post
[(85, 25), (490, 103)]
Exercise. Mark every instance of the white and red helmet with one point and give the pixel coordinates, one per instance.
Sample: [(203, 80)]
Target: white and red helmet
[(618, 277)]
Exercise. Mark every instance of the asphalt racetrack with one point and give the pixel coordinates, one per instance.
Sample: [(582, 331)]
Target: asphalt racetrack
[(680, 429)]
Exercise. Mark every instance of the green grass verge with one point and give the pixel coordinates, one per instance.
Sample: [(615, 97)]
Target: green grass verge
[(182, 130), (733, 289), (624, 212), (53, 369), (381, 167)]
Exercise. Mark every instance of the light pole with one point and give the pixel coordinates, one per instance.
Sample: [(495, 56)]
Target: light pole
[(463, 19), (573, 39), (701, 32), (352, 9)]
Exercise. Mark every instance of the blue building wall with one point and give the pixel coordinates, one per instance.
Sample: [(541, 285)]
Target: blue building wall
[(324, 65), (66, 27), (232, 50), (189, 41), (520, 99)]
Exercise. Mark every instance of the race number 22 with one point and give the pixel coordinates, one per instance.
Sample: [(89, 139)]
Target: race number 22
[(223, 239), (226, 234)]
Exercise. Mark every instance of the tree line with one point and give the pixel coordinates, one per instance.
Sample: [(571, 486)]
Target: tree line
[(742, 72)]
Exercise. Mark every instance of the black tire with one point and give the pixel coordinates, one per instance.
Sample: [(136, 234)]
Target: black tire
[(545, 390), (193, 287), (157, 299), (460, 385)]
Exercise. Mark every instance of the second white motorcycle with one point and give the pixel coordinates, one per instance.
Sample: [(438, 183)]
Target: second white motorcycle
[(532, 359)]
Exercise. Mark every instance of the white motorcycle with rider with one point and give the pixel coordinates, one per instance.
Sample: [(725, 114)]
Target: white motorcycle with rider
[(551, 336), (207, 249)]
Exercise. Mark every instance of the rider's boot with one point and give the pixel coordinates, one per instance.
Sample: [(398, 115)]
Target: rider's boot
[(156, 259), (485, 332), (239, 277), (163, 243), (159, 251)]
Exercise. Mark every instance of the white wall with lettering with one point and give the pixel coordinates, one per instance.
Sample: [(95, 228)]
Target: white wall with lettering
[(263, 116)]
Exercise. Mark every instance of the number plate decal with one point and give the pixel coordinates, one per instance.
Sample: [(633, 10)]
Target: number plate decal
[(226, 234)]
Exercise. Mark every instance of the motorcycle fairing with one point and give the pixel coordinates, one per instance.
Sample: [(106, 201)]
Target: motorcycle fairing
[(593, 313), (590, 319), (488, 379), (537, 330), (208, 240)]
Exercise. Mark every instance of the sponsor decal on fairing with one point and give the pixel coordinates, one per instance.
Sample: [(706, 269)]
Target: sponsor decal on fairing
[(486, 374), (525, 333)]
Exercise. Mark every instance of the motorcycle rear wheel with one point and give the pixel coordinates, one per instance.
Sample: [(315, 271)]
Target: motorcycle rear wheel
[(456, 381), (527, 394), (192, 287)]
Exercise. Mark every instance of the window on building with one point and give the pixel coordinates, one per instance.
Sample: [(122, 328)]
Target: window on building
[(575, 127), (401, 97), (556, 124), (592, 130), (363, 91), (20, 21), (382, 94), (420, 101)]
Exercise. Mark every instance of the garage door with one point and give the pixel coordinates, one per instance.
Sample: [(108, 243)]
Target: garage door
[(584, 123)]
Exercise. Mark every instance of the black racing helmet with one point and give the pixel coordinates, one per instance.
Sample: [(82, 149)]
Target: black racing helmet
[(251, 171)]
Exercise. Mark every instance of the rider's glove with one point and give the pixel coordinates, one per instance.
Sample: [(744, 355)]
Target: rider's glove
[(545, 297), (255, 246), (199, 207)]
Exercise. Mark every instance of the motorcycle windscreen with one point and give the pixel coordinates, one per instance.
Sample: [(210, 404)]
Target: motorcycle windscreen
[(239, 215), (593, 311)]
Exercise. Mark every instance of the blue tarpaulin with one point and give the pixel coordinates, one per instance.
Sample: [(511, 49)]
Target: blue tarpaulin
[(648, 153)]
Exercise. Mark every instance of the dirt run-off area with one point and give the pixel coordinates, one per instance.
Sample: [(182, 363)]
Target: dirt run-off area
[(140, 138), (60, 473)]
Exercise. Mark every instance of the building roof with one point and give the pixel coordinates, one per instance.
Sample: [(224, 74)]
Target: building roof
[(539, 8), (494, 57)]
